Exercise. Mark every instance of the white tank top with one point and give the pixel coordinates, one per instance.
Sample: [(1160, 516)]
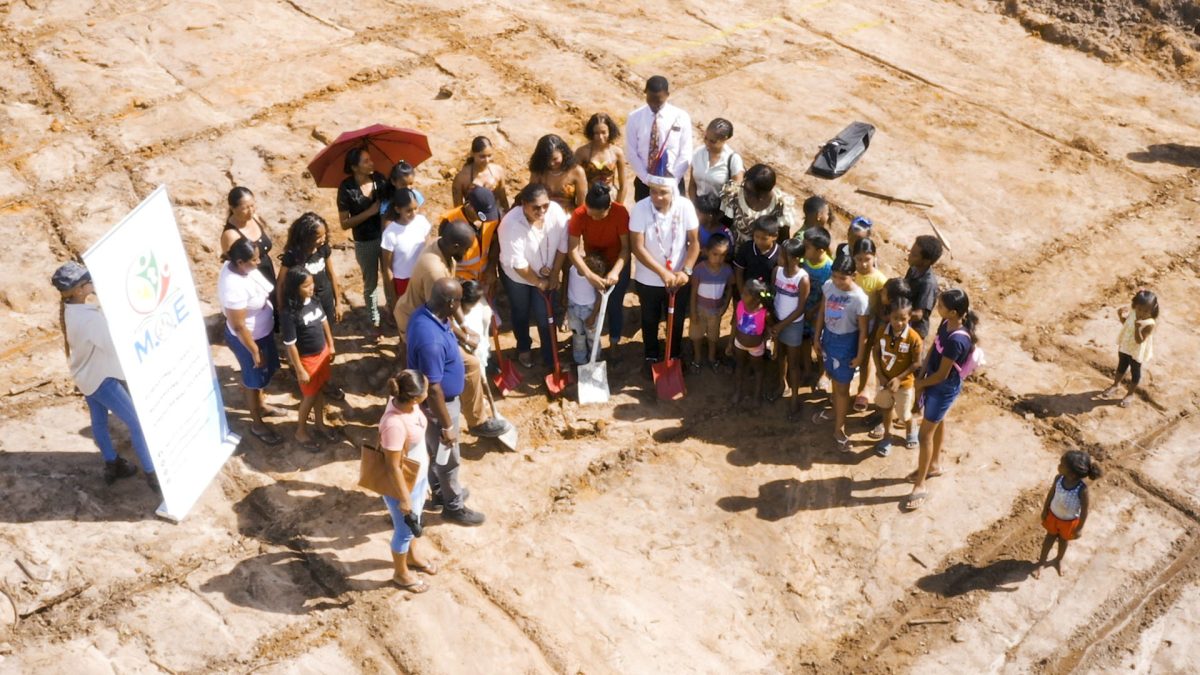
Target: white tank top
[(1065, 504)]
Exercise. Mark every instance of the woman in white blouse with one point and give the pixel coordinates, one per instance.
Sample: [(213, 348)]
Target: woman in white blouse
[(716, 164), (533, 246), (245, 296)]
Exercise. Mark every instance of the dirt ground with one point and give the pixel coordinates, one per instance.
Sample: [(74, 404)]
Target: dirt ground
[(634, 537)]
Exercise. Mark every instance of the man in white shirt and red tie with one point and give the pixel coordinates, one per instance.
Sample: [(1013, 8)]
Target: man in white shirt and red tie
[(655, 129), (663, 233)]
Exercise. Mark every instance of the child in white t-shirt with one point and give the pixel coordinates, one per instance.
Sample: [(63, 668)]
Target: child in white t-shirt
[(583, 303), (477, 317)]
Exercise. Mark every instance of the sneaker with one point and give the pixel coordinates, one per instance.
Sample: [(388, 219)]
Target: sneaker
[(883, 448), (118, 469), (152, 481), (464, 516), (493, 428), (913, 440)]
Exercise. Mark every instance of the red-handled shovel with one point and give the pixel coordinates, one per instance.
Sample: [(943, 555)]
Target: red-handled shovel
[(557, 381), (509, 378), (668, 373)]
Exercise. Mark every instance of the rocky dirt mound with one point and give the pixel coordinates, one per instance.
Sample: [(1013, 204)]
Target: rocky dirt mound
[(1165, 33)]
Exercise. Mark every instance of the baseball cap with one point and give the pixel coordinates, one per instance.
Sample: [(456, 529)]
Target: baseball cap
[(484, 202), (69, 275)]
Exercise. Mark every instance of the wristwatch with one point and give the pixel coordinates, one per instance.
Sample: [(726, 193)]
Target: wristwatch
[(687, 271)]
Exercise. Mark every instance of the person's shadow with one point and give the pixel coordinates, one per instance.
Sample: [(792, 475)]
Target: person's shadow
[(1058, 405), (959, 578), (779, 499), (1168, 153)]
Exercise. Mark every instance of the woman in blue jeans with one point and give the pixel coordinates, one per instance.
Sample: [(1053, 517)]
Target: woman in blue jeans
[(533, 247), (97, 373)]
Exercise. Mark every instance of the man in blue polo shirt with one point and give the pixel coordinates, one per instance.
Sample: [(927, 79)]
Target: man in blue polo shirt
[(433, 350)]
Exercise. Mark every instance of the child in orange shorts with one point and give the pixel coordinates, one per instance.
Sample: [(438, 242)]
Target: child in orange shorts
[(1066, 507)]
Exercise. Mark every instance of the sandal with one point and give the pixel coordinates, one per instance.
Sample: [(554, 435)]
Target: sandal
[(309, 445), (334, 392), (860, 402), (695, 367), (877, 433), (915, 500), (416, 587), (912, 440), (843, 445), (266, 435), (326, 434), (912, 477), (431, 569), (1126, 402), (272, 411), (821, 416)]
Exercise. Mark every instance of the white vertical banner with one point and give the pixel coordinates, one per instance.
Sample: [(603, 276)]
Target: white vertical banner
[(145, 286)]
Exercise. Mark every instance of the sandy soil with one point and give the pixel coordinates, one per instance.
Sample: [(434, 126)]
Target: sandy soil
[(633, 537)]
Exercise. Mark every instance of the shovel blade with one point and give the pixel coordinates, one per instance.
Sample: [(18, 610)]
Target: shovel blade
[(593, 383), (558, 382), (508, 379), (668, 380)]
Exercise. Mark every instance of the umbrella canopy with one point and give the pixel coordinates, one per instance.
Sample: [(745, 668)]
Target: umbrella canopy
[(386, 145)]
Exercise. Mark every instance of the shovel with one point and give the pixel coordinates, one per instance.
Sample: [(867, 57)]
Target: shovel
[(668, 373), (593, 377), (557, 381), (510, 438), (509, 378)]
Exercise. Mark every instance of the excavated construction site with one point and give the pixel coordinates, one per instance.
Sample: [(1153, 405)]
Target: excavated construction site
[(637, 536)]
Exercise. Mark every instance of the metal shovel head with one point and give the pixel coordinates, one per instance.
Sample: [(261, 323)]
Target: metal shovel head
[(508, 379), (668, 379), (558, 382), (593, 382)]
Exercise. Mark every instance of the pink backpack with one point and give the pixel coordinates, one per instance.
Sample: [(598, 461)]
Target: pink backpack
[(975, 359)]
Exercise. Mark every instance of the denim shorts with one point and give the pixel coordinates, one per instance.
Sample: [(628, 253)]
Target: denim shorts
[(936, 402), (837, 351), (793, 335), (255, 378)]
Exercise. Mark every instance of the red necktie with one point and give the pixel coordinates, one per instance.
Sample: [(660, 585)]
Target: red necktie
[(653, 155)]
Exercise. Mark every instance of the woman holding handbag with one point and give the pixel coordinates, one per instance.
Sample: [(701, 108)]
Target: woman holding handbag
[(402, 440)]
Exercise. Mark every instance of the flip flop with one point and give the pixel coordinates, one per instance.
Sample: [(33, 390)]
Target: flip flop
[(267, 436), (860, 402), (431, 569), (272, 411), (821, 416), (877, 433), (915, 500), (416, 587), (335, 393), (325, 434), (912, 441), (1126, 402), (843, 445), (912, 477)]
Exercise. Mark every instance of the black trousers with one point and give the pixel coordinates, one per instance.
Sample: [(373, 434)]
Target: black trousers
[(1124, 362), (641, 191), (653, 300)]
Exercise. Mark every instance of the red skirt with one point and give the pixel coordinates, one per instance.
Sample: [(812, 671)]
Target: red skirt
[(318, 368)]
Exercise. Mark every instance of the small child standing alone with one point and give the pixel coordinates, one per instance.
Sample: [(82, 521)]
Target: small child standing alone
[(1066, 507), (583, 303), (1135, 346)]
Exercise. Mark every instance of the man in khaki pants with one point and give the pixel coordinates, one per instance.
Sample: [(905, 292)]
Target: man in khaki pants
[(438, 260)]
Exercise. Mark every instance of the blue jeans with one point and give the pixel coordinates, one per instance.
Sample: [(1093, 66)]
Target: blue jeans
[(581, 338), (525, 301), (112, 397)]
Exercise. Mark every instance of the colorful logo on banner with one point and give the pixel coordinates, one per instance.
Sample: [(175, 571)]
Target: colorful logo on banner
[(147, 283), (148, 287)]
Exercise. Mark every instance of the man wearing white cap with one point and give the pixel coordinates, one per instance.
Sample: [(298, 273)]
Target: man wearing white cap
[(658, 131), (663, 232)]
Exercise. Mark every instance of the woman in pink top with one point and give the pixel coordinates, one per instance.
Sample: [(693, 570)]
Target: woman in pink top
[(401, 436), (749, 338)]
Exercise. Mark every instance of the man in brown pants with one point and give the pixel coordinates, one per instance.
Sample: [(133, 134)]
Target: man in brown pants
[(438, 260)]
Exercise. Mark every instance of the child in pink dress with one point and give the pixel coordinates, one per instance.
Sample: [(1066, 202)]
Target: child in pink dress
[(749, 342)]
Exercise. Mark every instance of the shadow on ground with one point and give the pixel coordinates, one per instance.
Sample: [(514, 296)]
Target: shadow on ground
[(1168, 153), (994, 577)]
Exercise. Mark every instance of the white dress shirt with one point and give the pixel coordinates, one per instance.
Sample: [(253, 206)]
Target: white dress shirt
[(665, 235), (523, 246), (671, 120), (93, 355)]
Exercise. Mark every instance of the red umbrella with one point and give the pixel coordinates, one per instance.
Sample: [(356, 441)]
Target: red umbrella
[(386, 145)]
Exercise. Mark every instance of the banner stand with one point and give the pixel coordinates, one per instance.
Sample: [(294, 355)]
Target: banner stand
[(144, 282)]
